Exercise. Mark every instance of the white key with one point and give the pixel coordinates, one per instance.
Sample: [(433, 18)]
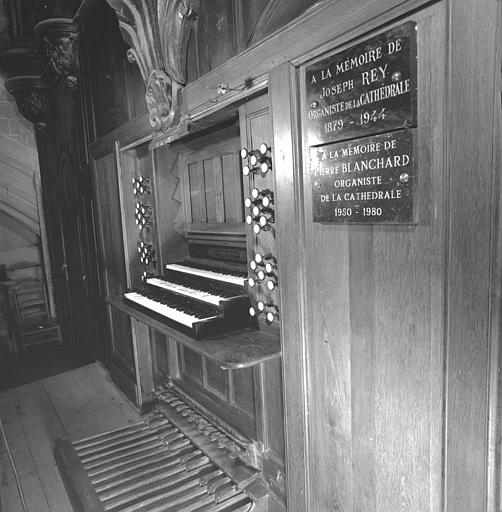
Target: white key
[(210, 298), (218, 276), (162, 309)]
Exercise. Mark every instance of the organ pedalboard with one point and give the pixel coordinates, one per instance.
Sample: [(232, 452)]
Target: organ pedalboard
[(178, 459)]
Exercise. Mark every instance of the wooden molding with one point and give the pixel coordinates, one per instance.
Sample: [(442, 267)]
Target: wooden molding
[(157, 32)]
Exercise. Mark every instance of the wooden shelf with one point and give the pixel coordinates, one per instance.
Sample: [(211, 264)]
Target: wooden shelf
[(242, 349)]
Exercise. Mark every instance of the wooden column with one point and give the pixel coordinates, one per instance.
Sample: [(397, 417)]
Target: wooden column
[(290, 248)]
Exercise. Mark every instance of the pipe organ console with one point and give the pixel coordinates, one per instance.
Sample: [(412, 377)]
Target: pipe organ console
[(202, 300)]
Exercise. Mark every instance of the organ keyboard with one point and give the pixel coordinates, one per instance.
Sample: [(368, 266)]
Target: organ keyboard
[(238, 278), (177, 460), (196, 298)]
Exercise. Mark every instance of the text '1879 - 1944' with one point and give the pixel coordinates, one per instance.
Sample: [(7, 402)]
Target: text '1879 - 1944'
[(368, 88)]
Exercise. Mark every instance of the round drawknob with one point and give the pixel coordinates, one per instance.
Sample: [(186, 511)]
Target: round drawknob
[(251, 282), (269, 317), (253, 265), (260, 275), (249, 219), (244, 153), (255, 211), (253, 159), (271, 284), (269, 267), (264, 148), (258, 257), (252, 311), (246, 170), (248, 202), (272, 313), (260, 305), (265, 165)]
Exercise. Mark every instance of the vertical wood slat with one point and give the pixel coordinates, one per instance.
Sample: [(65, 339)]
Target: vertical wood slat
[(209, 170), (219, 188), (494, 473), (197, 191), (125, 237), (473, 73), (242, 389), (143, 362), (232, 187)]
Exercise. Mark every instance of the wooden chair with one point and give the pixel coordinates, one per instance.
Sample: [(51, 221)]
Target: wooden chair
[(33, 322)]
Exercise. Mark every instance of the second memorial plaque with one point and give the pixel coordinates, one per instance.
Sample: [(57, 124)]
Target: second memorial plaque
[(369, 180)]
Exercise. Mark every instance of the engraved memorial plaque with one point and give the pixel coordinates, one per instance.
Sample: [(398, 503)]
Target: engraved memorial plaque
[(368, 180), (368, 88)]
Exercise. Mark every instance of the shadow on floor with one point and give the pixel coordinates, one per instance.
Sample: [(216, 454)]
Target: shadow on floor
[(32, 365)]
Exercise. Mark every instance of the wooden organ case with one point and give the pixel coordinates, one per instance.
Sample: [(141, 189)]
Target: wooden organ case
[(202, 307)]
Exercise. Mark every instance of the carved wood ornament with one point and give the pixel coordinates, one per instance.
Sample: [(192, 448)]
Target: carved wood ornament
[(157, 32), (29, 93), (60, 39)]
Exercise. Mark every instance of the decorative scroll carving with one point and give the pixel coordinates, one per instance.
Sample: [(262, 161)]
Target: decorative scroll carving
[(60, 40), (158, 31), (29, 93)]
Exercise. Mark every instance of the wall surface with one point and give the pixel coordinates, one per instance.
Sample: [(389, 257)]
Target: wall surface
[(19, 212)]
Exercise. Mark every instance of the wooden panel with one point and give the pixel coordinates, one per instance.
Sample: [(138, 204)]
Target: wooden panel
[(255, 123), (143, 364), (276, 14), (250, 13), (218, 190), (212, 184), (232, 188), (242, 389), (169, 211), (120, 350), (197, 192), (116, 87), (217, 404), (210, 188), (192, 364), (134, 163), (273, 406), (108, 206), (159, 356), (216, 378), (375, 334), (215, 34)]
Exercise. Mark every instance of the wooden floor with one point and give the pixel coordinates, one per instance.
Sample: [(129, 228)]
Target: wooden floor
[(74, 404)]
